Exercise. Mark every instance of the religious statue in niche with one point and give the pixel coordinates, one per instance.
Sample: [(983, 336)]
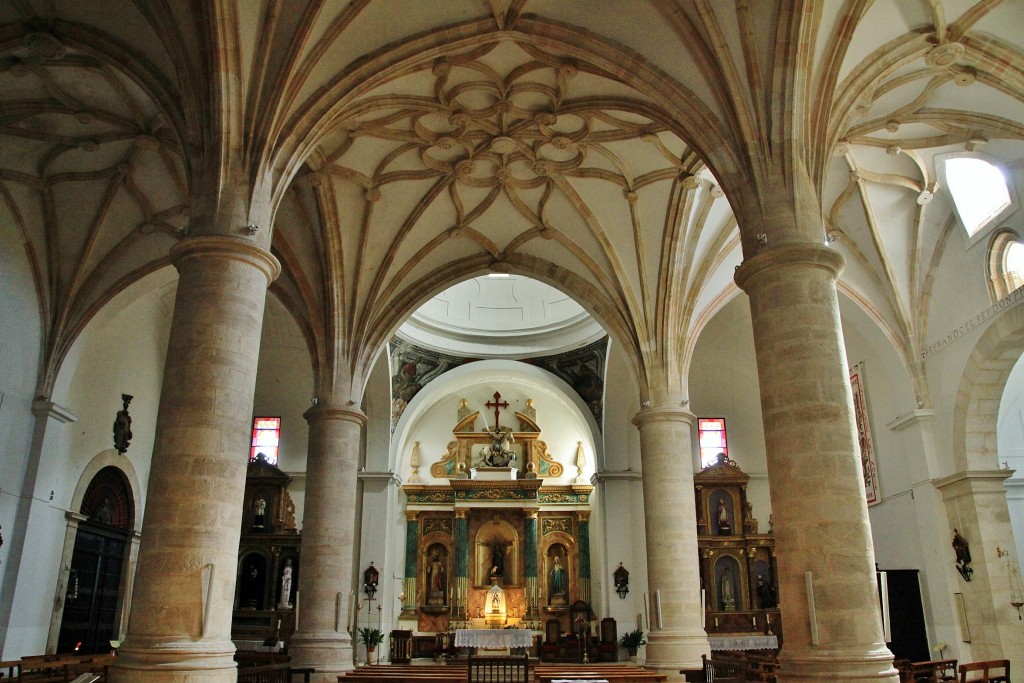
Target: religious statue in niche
[(558, 580), (765, 593), (259, 517), (437, 579), (727, 591), (722, 518), (286, 586), (123, 426)]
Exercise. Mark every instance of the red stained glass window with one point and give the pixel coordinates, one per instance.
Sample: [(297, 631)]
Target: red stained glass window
[(266, 438), (711, 434)]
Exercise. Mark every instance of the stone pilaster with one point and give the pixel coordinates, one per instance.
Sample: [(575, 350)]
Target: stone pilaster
[(826, 563), (530, 556), (677, 639), (976, 506), (180, 625), (412, 553), (458, 611), (322, 640)]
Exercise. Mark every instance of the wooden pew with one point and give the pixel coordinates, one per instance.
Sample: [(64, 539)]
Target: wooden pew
[(992, 671), (62, 668), (934, 670), (416, 673), (613, 673)]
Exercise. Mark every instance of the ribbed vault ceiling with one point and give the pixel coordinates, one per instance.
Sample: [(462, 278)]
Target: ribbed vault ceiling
[(601, 146)]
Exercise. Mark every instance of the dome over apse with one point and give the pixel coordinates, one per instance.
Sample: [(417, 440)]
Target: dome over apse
[(501, 316)]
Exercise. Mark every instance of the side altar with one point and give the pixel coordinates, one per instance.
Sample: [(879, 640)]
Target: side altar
[(499, 543), (737, 564)]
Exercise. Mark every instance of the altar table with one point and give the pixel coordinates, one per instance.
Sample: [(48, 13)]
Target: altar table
[(494, 638)]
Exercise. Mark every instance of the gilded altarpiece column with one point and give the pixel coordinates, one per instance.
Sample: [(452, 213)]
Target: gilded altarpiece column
[(583, 543), (461, 565), (412, 553), (530, 557)]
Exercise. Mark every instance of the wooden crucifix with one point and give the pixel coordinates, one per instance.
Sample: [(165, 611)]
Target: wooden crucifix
[(497, 404)]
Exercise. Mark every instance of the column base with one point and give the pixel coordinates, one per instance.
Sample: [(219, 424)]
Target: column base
[(869, 666), (673, 651), (175, 662), (329, 653)]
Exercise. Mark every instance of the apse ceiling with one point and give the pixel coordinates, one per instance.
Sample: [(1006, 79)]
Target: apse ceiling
[(501, 316)]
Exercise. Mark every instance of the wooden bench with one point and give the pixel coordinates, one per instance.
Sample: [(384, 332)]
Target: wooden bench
[(613, 673), (934, 670), (62, 668), (409, 672), (992, 671), (498, 669)]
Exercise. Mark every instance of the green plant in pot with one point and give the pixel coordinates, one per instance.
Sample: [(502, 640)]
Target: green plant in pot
[(371, 638), (631, 640)]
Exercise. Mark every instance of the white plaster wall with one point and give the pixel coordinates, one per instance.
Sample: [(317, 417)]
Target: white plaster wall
[(284, 387), (120, 351), (20, 339), (1011, 449), (723, 383)]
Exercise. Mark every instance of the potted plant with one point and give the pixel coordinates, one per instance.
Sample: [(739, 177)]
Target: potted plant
[(371, 638), (631, 640)]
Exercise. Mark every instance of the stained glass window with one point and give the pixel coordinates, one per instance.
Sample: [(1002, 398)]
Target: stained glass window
[(711, 434), (266, 438)]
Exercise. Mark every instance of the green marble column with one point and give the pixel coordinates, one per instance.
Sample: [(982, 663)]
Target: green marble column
[(458, 610), (530, 555), (583, 542)]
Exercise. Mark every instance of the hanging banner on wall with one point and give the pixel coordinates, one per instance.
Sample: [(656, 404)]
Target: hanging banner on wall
[(867, 451)]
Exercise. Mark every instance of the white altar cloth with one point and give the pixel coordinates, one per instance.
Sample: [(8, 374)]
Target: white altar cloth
[(744, 642), (495, 638)]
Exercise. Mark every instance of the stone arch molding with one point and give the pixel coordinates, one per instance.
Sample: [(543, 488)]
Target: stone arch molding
[(976, 410), (476, 373), (111, 458)]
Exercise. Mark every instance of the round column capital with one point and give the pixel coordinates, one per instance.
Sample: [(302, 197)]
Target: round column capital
[(227, 247), (650, 414), (327, 411), (789, 256)]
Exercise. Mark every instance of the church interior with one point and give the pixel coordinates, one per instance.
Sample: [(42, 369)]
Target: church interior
[(550, 321)]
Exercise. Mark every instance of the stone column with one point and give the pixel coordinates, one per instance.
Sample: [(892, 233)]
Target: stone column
[(461, 564), (826, 559), (412, 553), (583, 543), (180, 626), (677, 639), (322, 639), (976, 506), (530, 557)]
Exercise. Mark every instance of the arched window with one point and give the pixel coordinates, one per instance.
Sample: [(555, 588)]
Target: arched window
[(978, 189), (1005, 264)]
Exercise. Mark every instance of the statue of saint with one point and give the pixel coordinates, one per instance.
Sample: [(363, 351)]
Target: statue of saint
[(728, 592), (722, 515), (765, 593), (123, 426), (286, 586), (435, 579), (557, 588), (499, 453), (259, 507)]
